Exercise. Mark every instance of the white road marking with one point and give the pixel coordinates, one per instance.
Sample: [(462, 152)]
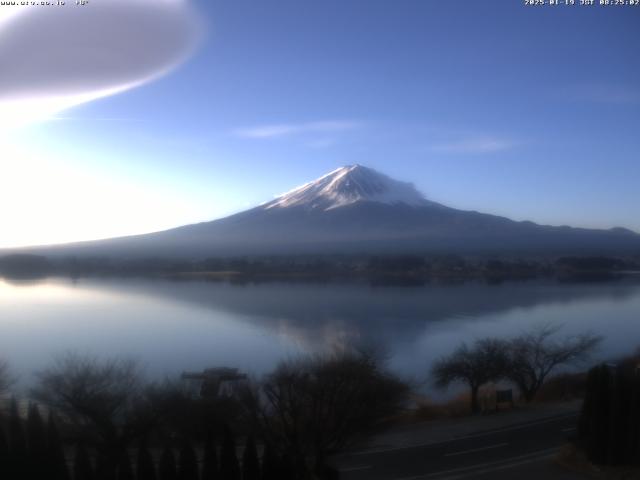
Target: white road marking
[(354, 469), (475, 435), (482, 468), (473, 450)]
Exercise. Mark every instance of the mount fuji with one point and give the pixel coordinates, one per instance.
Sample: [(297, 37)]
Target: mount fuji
[(355, 210)]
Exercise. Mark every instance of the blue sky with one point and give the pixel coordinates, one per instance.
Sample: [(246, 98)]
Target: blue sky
[(528, 112)]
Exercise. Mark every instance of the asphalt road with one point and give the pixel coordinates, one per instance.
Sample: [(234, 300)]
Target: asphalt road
[(485, 454)]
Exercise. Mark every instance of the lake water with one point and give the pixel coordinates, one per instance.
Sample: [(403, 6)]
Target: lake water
[(171, 326)]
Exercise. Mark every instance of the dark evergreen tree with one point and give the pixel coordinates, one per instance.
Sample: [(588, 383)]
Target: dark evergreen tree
[(287, 468), (36, 434), (19, 466), (125, 472), (586, 419), (82, 468), (146, 469), (609, 426), (105, 468), (167, 469), (210, 469), (4, 456), (327, 472), (37, 443), (332, 473), (634, 421), (619, 415), (229, 467), (56, 461), (250, 463), (627, 426), (187, 462), (601, 412), (270, 463), (17, 438)]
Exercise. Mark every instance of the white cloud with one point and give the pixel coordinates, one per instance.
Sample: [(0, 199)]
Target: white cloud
[(476, 145), (284, 130), (56, 57)]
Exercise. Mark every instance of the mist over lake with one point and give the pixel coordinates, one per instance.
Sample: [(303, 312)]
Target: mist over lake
[(172, 326)]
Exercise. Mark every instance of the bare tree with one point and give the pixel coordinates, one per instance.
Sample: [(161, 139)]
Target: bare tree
[(5, 377), (484, 362), (313, 406), (182, 413), (536, 353), (103, 399)]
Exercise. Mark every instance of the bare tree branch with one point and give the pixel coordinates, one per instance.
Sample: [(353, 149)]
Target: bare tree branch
[(484, 362), (5, 377), (534, 355), (316, 405), (101, 398)]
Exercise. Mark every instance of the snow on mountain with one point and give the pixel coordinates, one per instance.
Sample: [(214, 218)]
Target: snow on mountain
[(348, 185)]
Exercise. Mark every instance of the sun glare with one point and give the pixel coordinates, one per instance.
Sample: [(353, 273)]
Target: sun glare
[(49, 200)]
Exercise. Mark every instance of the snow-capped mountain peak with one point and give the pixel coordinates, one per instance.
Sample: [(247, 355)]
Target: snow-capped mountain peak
[(348, 185)]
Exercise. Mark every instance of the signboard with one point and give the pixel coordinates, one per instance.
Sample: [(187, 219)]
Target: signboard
[(504, 396)]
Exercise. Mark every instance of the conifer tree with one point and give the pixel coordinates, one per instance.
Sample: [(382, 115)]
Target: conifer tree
[(146, 469), (36, 434), (603, 414), (19, 465), (125, 472), (56, 461), (187, 462), (619, 415), (82, 468), (4, 456), (609, 427), (37, 443), (628, 418), (167, 469), (210, 470), (105, 468), (17, 438), (250, 463), (286, 468), (270, 463), (634, 421), (586, 419), (229, 468)]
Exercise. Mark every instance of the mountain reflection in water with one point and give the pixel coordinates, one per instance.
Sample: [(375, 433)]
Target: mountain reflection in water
[(172, 326)]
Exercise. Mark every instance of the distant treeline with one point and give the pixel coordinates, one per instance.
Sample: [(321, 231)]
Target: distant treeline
[(325, 266)]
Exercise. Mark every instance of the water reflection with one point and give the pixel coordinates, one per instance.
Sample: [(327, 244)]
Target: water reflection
[(172, 325)]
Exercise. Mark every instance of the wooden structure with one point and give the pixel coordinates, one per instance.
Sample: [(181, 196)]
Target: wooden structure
[(211, 383), (504, 396)]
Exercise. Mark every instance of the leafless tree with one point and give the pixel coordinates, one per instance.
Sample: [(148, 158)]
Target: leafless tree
[(181, 412), (316, 405), (485, 361), (103, 399), (5, 377), (537, 353)]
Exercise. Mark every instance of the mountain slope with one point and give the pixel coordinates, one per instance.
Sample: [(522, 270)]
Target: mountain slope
[(355, 209)]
